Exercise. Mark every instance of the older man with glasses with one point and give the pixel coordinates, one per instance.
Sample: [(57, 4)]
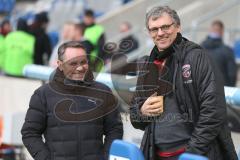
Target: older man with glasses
[(179, 100)]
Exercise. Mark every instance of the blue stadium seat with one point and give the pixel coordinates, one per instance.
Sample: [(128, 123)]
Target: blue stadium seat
[(7, 5), (123, 150), (188, 156), (236, 49)]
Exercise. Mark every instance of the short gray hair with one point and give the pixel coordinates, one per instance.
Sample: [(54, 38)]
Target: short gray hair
[(70, 44), (156, 12)]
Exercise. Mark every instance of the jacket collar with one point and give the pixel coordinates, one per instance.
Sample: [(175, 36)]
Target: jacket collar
[(159, 55), (60, 80)]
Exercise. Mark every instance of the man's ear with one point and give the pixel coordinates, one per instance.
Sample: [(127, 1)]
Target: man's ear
[(59, 63)]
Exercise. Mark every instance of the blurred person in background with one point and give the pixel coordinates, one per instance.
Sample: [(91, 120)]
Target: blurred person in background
[(5, 27), (42, 46), (86, 129), (67, 34), (126, 45), (222, 54), (72, 31), (1, 51), (19, 49), (79, 36), (129, 43), (95, 34)]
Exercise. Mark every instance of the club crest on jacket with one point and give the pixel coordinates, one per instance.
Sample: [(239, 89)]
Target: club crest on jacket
[(186, 70)]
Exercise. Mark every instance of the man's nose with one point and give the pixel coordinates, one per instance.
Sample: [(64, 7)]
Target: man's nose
[(79, 68), (160, 32)]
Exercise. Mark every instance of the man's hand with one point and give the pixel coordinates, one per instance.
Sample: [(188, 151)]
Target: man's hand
[(153, 106)]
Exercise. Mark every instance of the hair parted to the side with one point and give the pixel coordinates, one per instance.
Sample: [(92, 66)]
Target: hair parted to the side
[(70, 44), (156, 12)]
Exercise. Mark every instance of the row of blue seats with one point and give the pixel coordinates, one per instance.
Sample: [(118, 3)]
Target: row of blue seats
[(7, 5)]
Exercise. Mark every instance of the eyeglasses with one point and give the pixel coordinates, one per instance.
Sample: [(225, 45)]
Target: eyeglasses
[(76, 63), (163, 28)]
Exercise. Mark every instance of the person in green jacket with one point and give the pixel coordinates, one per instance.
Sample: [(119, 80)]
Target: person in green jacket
[(19, 48), (95, 34), (1, 51)]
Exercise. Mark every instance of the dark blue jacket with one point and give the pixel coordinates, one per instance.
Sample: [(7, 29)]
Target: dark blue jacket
[(224, 58)]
